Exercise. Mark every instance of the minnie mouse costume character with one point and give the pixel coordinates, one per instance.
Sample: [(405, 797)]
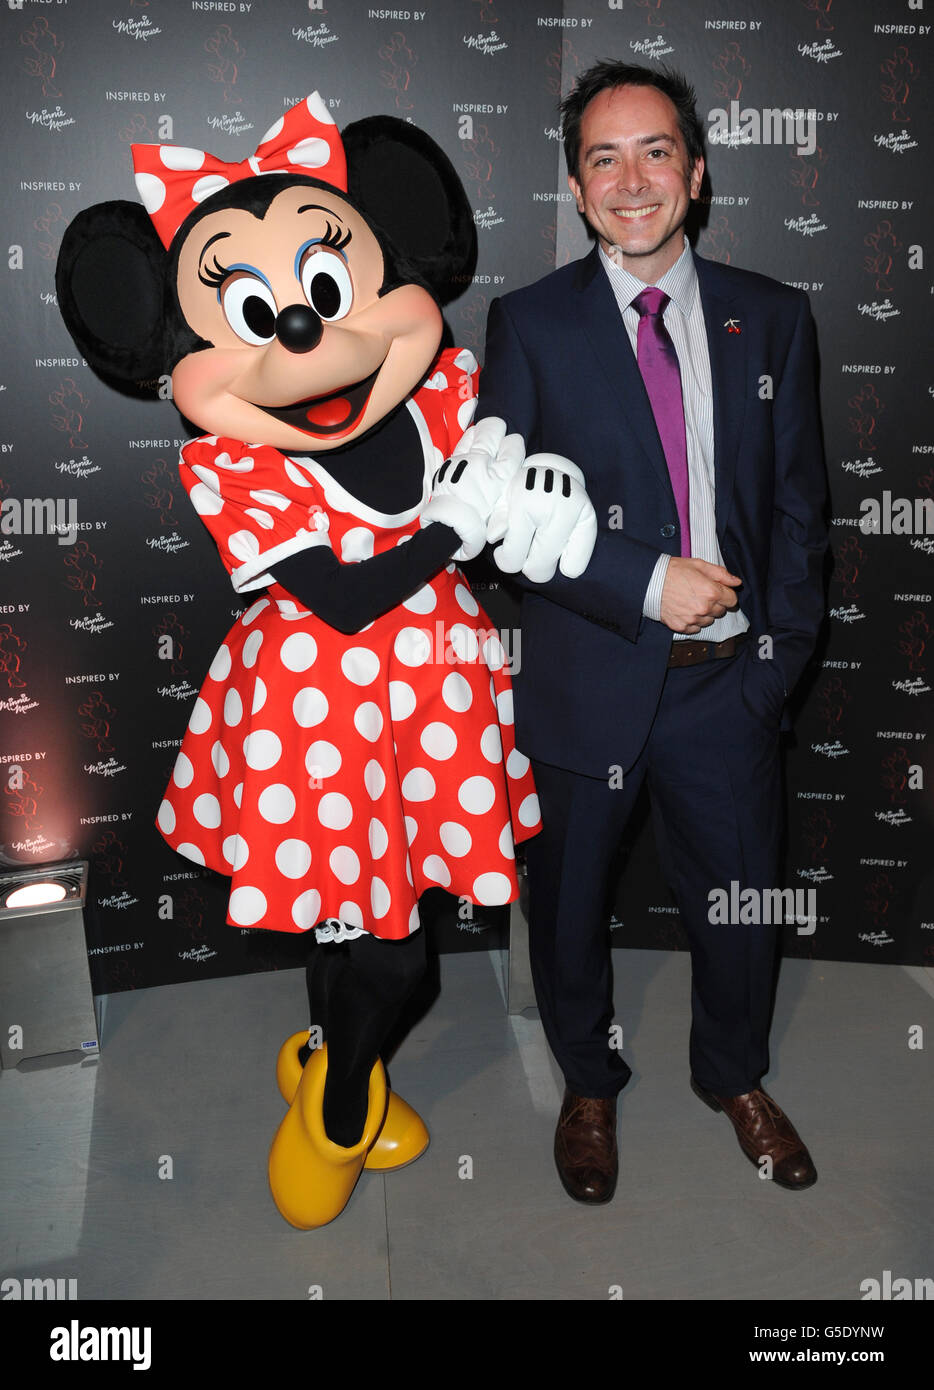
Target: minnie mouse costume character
[(352, 744)]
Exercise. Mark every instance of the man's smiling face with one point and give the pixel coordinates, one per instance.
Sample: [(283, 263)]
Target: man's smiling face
[(635, 180)]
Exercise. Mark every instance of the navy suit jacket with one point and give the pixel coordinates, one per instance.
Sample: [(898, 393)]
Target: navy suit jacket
[(560, 370)]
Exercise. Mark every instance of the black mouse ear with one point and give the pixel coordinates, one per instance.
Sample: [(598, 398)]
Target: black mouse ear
[(408, 188), (109, 279)]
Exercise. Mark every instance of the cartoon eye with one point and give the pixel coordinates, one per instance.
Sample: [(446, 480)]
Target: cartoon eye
[(250, 309), (327, 284)]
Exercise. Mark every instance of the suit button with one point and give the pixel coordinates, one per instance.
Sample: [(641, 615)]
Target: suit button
[(668, 530)]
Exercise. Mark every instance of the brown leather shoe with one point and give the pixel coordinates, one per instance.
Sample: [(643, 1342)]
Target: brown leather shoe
[(585, 1148), (763, 1128)]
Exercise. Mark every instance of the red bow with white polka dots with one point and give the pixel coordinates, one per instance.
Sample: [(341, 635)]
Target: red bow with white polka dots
[(172, 180)]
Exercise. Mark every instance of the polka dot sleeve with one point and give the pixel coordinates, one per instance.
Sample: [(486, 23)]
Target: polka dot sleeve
[(459, 395), (258, 506)]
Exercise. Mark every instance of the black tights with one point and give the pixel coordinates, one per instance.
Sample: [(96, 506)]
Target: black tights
[(356, 990)]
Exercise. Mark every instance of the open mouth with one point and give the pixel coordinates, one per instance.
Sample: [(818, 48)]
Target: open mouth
[(327, 417), (633, 214)]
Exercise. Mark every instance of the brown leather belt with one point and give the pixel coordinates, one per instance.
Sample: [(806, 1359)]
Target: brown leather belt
[(691, 653)]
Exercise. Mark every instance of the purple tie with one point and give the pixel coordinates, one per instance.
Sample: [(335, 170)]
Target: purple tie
[(658, 363)]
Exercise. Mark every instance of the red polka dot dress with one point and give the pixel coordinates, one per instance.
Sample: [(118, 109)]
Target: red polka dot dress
[(337, 777)]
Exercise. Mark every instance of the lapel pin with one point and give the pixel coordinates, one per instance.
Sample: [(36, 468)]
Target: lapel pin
[(732, 326)]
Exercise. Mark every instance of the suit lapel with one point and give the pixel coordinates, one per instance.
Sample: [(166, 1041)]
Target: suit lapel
[(626, 396), (728, 379)]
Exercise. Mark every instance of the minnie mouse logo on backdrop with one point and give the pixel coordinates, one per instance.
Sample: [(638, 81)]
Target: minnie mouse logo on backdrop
[(352, 745)]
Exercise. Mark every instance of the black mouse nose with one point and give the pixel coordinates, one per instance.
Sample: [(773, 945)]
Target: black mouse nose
[(298, 328)]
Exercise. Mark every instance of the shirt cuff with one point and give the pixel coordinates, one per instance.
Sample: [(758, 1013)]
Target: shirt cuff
[(652, 604)]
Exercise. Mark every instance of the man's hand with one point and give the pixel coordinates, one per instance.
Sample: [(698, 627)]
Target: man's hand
[(696, 593)]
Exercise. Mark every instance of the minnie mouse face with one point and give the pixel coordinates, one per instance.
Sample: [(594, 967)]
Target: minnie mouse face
[(288, 311), (306, 350)]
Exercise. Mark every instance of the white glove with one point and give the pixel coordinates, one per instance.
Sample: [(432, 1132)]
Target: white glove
[(468, 484), (545, 519)]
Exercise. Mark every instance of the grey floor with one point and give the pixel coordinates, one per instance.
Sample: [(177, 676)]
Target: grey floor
[(186, 1074)]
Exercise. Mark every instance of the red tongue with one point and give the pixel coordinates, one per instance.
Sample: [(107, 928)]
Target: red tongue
[(329, 413)]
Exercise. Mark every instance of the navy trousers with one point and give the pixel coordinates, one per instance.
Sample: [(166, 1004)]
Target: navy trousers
[(711, 764)]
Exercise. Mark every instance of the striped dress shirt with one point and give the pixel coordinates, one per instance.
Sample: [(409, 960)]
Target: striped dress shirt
[(684, 319)]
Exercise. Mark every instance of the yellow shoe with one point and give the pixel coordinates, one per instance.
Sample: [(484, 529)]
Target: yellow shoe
[(310, 1177), (403, 1137)]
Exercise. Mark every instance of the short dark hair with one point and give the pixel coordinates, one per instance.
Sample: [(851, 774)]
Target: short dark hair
[(609, 73)]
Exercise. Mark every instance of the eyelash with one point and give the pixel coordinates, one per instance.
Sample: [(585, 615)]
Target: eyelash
[(334, 237), (214, 278), (657, 149)]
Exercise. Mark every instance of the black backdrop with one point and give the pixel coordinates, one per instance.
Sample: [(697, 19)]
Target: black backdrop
[(94, 700)]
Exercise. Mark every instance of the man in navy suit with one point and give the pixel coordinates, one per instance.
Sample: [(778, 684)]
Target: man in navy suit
[(670, 660)]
